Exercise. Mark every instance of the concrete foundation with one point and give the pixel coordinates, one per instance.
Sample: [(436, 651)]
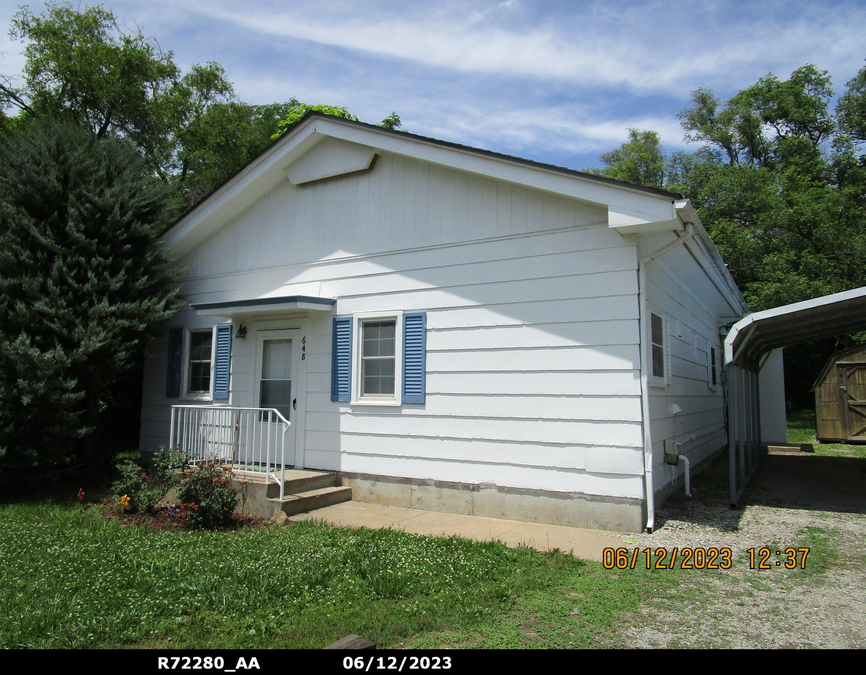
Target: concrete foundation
[(490, 501)]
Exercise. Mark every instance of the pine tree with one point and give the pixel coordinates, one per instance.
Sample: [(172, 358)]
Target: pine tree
[(83, 282)]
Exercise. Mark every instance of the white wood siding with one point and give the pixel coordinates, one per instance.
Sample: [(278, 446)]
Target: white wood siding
[(681, 292), (532, 325), (400, 204)]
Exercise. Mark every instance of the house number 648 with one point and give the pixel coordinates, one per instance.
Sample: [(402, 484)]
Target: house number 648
[(304, 348)]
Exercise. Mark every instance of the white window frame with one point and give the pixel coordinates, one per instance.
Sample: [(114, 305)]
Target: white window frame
[(188, 394), (653, 379), (358, 320)]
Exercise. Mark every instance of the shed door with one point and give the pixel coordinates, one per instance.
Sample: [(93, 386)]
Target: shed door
[(853, 376)]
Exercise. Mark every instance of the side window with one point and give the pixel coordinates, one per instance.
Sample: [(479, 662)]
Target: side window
[(199, 363), (712, 368), (659, 349), (378, 358)]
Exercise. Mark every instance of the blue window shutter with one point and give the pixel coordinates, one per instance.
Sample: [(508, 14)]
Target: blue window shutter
[(414, 357), (222, 361), (175, 362), (341, 359)]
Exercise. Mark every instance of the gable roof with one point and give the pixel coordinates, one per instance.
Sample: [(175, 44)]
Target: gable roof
[(631, 207), (833, 360)]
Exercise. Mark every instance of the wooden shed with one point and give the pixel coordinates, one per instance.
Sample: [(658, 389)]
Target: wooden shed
[(840, 397)]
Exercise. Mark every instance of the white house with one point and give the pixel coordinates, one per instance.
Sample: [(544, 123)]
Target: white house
[(448, 328)]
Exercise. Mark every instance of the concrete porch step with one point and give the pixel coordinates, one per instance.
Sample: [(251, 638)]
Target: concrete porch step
[(301, 480), (310, 500), (303, 490)]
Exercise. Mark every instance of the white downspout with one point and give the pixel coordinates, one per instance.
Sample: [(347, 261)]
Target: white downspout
[(644, 372)]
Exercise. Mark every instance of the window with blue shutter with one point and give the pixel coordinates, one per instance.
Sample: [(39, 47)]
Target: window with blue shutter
[(341, 359), (222, 361), (175, 362), (414, 357)]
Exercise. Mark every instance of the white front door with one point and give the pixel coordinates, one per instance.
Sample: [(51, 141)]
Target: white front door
[(278, 353)]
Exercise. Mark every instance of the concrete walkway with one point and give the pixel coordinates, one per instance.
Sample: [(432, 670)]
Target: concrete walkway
[(585, 544)]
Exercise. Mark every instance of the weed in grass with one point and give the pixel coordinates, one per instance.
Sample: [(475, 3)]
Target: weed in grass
[(822, 555)]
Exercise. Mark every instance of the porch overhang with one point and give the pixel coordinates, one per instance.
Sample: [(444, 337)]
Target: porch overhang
[(266, 307)]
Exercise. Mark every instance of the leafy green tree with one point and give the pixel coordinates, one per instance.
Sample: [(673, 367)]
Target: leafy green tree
[(297, 112), (80, 66), (220, 141), (83, 283), (780, 183), (392, 121), (784, 209), (640, 160), (851, 109)]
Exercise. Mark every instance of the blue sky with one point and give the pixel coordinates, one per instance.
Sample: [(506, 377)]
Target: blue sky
[(556, 82)]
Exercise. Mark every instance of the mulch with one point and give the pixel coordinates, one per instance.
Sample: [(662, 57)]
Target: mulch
[(159, 519)]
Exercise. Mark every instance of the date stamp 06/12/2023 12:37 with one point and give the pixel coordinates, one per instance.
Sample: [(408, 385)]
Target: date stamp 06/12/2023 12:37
[(662, 558)]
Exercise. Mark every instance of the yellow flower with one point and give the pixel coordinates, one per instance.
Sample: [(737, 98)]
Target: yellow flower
[(124, 501)]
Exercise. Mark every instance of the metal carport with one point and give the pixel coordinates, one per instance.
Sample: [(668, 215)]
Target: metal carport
[(748, 344)]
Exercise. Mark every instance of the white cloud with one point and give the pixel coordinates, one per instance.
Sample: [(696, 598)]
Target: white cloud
[(541, 79), (639, 46)]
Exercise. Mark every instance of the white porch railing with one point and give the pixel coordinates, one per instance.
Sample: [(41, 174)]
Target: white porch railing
[(252, 440)]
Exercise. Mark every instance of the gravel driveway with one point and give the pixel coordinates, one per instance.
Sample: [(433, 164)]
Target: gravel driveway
[(794, 500)]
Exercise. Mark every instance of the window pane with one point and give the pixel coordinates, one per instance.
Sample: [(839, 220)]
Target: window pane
[(200, 361), (277, 394), (276, 381), (379, 338), (277, 360), (658, 330), (378, 358), (658, 361)]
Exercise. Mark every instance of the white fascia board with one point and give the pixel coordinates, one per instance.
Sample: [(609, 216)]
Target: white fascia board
[(265, 311), (687, 214), (625, 206)]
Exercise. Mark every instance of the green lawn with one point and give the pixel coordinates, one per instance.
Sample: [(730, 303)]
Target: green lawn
[(801, 429), (69, 578)]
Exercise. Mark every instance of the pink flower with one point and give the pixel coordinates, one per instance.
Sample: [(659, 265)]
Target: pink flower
[(80, 494)]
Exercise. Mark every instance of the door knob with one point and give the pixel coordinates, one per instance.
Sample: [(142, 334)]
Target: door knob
[(294, 404)]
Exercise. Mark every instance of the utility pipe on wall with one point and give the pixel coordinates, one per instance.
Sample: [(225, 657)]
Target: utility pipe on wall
[(644, 371), (685, 460)]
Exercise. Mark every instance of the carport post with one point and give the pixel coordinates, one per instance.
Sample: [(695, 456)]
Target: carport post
[(756, 388), (744, 432), (731, 384)]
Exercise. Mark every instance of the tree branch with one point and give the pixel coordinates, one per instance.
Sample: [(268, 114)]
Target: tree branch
[(17, 100)]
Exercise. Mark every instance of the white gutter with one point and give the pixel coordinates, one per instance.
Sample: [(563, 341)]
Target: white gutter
[(644, 371)]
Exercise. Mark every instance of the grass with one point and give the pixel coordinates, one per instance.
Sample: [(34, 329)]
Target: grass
[(69, 578), (801, 429)]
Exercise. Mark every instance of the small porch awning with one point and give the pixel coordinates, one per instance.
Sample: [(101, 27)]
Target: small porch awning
[(274, 306)]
